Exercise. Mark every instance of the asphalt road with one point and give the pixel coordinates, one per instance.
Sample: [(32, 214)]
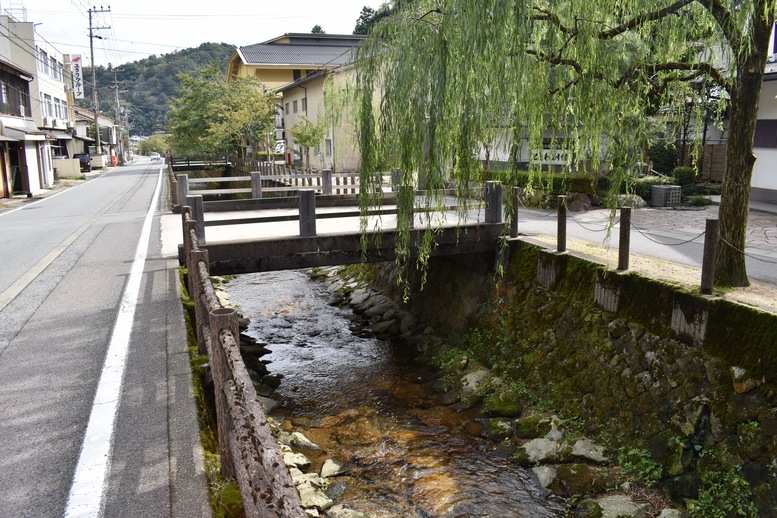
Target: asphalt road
[(67, 265)]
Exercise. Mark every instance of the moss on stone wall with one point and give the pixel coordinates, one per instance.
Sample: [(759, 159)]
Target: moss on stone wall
[(696, 399)]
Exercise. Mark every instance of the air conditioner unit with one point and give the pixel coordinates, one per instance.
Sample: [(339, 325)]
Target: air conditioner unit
[(46, 122), (54, 123), (70, 125)]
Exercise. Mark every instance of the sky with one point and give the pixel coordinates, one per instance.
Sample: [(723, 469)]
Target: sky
[(139, 28)]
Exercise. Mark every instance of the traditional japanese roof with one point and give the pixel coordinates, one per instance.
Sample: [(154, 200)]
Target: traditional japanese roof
[(302, 50)]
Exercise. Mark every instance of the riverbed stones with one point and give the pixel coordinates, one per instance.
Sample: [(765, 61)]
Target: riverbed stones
[(332, 467), (621, 506), (546, 475), (297, 440), (340, 511), (295, 460)]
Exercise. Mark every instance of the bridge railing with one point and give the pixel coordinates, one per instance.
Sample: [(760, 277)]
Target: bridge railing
[(249, 452), (280, 179), (307, 201)]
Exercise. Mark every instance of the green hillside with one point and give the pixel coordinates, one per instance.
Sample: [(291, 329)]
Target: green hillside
[(146, 86)]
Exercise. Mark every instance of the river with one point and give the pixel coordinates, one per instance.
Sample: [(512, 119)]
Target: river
[(367, 403)]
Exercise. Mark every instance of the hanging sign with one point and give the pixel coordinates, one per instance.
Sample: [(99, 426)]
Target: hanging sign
[(78, 76)]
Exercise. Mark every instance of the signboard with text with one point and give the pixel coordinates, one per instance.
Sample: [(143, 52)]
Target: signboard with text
[(78, 76)]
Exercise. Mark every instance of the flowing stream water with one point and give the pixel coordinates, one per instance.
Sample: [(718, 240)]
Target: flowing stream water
[(367, 403)]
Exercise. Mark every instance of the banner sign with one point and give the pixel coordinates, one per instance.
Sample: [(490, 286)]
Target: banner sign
[(78, 76)]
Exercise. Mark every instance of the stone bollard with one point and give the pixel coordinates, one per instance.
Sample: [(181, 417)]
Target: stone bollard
[(625, 239), (493, 202), (517, 191), (326, 181), (198, 214), (195, 294), (307, 212), (256, 185), (183, 188), (708, 261), (561, 234)]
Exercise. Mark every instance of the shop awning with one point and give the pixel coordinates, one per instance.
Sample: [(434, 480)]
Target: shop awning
[(18, 134), (85, 139), (58, 135)]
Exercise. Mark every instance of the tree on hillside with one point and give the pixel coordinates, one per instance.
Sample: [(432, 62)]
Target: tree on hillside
[(147, 85), (586, 76), (210, 116), (307, 134), (154, 143)]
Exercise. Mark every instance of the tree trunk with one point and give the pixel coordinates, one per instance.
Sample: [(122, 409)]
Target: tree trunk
[(730, 267)]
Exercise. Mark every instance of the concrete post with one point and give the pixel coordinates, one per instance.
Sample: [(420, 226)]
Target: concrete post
[(307, 212), (493, 202), (198, 214), (256, 184), (222, 320), (183, 187), (625, 239), (516, 203), (561, 234), (326, 181), (708, 261)]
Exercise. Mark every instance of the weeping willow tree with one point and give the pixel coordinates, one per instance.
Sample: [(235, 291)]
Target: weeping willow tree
[(443, 80)]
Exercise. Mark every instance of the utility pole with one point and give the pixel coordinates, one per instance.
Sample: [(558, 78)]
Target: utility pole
[(120, 139), (92, 11)]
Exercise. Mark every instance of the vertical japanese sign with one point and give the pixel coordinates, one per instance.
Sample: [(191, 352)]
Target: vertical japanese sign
[(78, 76)]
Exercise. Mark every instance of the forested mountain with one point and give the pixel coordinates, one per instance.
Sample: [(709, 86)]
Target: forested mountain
[(146, 86)]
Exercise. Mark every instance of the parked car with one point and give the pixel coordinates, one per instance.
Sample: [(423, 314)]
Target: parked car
[(155, 156), (85, 160)]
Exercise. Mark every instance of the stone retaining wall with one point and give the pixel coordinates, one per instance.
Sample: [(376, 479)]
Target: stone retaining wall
[(689, 378)]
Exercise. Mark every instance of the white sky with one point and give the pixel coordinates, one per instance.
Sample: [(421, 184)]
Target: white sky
[(139, 28)]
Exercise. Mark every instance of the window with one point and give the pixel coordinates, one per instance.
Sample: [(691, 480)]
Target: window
[(49, 106), (4, 93), (287, 108), (296, 74), (295, 107), (305, 104), (44, 61), (54, 68)]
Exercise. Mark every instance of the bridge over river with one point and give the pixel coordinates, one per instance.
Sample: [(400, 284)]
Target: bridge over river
[(309, 229)]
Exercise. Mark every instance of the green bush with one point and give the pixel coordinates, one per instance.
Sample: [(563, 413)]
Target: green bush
[(642, 187), (684, 175), (553, 183), (664, 157), (724, 494), (699, 201), (706, 189)]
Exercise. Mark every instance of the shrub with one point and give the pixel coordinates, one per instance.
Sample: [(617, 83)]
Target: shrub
[(724, 494), (664, 157), (642, 186), (684, 175), (553, 183), (699, 201)]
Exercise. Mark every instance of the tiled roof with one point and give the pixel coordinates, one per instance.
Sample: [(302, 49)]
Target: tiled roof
[(295, 54)]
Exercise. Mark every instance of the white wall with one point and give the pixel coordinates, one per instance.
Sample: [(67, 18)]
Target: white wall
[(765, 168)]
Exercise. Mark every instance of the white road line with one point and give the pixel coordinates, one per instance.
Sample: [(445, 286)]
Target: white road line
[(87, 494)]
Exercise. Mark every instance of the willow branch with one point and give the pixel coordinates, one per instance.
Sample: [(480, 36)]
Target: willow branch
[(555, 60), (546, 15), (723, 18), (643, 19)]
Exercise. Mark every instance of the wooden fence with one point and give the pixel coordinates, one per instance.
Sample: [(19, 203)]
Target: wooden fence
[(249, 452)]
